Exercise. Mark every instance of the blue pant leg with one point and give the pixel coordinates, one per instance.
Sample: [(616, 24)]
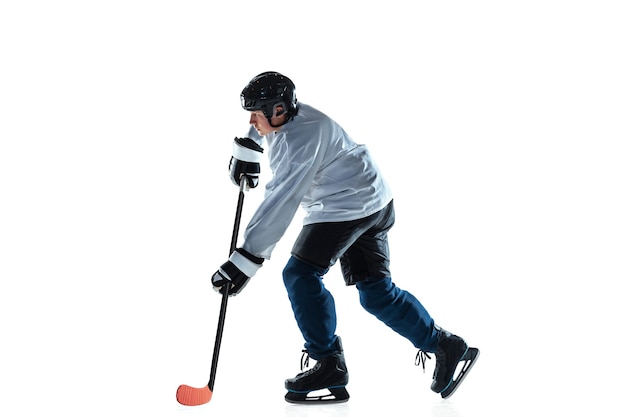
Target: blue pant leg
[(313, 307), (399, 310)]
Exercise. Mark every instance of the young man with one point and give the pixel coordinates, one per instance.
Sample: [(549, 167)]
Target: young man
[(349, 210)]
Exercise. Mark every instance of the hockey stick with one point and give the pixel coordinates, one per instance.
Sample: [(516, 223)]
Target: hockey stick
[(185, 394)]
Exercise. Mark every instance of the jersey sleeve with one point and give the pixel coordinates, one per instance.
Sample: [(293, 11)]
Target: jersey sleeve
[(294, 158), (254, 135)]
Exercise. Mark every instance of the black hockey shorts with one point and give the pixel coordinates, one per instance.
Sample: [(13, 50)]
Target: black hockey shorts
[(360, 245)]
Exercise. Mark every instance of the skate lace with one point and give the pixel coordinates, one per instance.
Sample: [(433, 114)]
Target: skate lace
[(420, 359), (304, 360)]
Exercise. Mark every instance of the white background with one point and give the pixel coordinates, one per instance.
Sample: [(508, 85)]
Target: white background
[(499, 125)]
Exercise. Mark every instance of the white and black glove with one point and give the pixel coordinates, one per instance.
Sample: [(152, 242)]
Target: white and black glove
[(240, 267), (245, 162)]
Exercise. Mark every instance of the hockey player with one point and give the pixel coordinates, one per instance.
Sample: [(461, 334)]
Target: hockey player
[(349, 210)]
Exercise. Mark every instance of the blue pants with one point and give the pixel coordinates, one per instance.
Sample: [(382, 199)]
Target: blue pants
[(314, 309), (362, 249)]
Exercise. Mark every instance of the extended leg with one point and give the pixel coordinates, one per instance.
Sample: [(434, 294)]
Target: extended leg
[(402, 312), (399, 310)]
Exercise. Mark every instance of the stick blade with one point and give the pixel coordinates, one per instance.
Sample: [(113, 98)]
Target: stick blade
[(187, 395)]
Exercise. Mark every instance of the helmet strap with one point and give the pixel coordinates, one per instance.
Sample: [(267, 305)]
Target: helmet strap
[(283, 111)]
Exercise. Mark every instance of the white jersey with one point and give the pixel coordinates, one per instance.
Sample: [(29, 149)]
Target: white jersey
[(317, 166)]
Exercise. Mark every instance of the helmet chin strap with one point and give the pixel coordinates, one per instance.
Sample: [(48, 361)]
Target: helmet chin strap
[(278, 125)]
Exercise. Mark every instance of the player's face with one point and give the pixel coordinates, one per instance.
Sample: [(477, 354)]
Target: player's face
[(260, 123)]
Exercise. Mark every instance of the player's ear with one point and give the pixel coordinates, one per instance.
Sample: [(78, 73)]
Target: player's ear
[(278, 110)]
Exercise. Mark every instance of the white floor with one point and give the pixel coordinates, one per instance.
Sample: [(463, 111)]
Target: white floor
[(127, 355)]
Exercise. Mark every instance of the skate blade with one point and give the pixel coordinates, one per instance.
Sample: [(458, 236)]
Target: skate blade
[(334, 395), (468, 359)]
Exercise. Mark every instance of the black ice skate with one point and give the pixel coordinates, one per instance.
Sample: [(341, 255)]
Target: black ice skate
[(328, 373), (452, 350)]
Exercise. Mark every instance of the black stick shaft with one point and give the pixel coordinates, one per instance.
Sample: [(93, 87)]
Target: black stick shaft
[(222, 318)]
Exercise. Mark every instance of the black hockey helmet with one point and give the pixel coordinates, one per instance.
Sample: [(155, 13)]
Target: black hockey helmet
[(268, 90)]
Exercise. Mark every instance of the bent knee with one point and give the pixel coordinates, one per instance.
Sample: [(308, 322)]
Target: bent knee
[(373, 293), (295, 268)]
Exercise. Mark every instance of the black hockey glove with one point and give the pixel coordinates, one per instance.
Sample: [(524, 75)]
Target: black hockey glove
[(245, 162), (240, 267)]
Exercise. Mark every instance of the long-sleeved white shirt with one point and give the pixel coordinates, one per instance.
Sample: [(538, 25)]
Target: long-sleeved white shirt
[(317, 166)]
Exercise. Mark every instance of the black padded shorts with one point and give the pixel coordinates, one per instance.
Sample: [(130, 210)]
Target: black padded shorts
[(360, 245)]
